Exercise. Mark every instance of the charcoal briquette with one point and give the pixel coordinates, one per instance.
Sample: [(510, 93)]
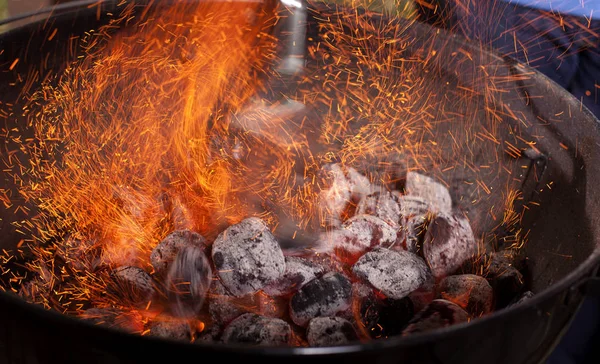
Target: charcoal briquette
[(381, 204), (133, 285), (434, 193), (211, 334), (164, 253), (171, 329), (324, 296), (378, 316), (330, 331), (394, 273), (471, 292), (448, 243), (344, 184), (439, 313), (247, 257), (258, 330), (414, 229), (412, 205), (298, 272), (187, 282), (361, 233), (506, 280)]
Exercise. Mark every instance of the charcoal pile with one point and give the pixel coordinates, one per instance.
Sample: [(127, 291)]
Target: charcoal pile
[(401, 262)]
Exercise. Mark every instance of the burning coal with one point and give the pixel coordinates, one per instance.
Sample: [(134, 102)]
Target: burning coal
[(182, 193)]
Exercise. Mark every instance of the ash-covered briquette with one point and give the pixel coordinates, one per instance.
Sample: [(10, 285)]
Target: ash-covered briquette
[(171, 329), (412, 205), (506, 280), (434, 193), (381, 204), (164, 253), (133, 285), (439, 313), (469, 291), (298, 272), (324, 296), (343, 185), (448, 243), (257, 330), (211, 334), (394, 273), (380, 317), (113, 318), (359, 234), (414, 229), (187, 282), (247, 257), (330, 331)]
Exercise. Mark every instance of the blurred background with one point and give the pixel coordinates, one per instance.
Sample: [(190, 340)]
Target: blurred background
[(570, 59)]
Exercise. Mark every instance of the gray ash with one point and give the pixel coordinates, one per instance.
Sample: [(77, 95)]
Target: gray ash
[(381, 204), (330, 331), (395, 273), (247, 257), (448, 244), (259, 330), (437, 195), (171, 330), (298, 272)]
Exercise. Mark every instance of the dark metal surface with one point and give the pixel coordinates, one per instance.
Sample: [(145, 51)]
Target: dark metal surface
[(562, 251)]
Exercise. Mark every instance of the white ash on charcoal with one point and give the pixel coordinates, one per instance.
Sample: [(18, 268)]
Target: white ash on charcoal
[(439, 313), (171, 329), (471, 292), (394, 273), (415, 218), (506, 280), (187, 282), (379, 316), (258, 330), (298, 272), (382, 204), (114, 318), (434, 193), (247, 257), (412, 205), (343, 186), (330, 331), (526, 296), (164, 253), (324, 296), (414, 229), (359, 234), (133, 285), (448, 244)]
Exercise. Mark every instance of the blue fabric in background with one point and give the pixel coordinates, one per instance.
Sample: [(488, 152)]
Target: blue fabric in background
[(582, 8)]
